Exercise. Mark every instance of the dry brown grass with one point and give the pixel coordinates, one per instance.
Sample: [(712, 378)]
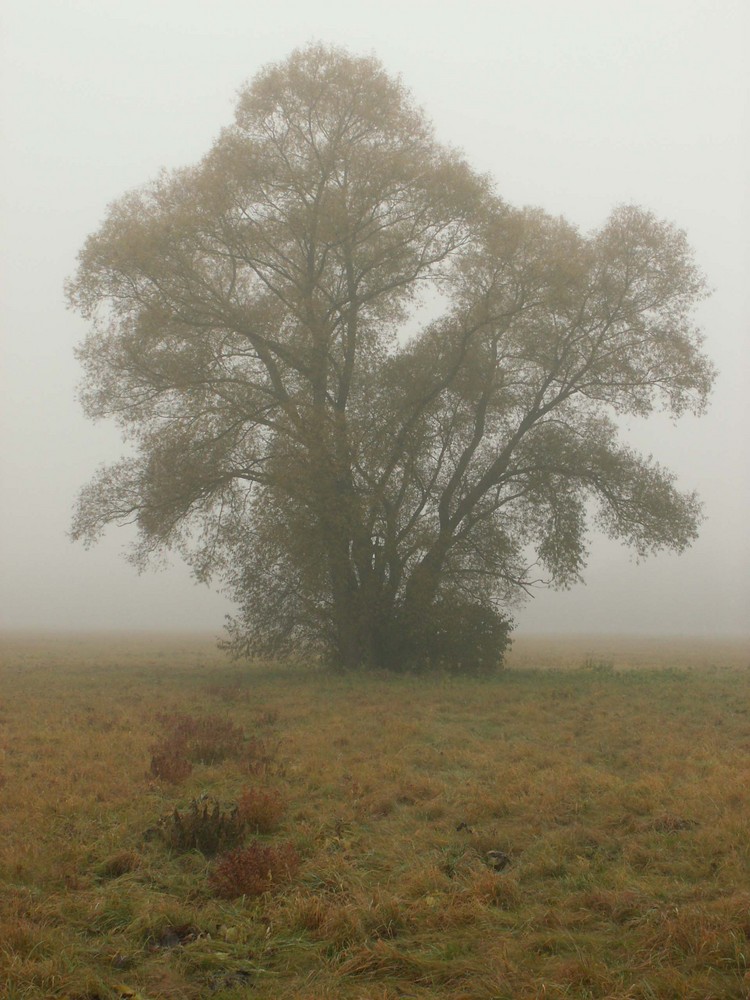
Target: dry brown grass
[(614, 775)]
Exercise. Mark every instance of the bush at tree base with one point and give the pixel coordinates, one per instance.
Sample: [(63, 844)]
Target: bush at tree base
[(453, 635)]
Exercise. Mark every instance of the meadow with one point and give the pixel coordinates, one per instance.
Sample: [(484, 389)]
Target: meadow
[(176, 826)]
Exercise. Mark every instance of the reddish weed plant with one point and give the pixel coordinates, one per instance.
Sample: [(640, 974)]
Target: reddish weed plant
[(253, 870)]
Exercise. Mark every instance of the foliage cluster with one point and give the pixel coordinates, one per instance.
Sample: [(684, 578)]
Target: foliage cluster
[(449, 635)]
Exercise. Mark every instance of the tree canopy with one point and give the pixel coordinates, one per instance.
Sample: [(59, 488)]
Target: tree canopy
[(363, 393)]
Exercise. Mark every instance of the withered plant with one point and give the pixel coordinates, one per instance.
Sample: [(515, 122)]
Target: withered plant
[(205, 826), (253, 870)]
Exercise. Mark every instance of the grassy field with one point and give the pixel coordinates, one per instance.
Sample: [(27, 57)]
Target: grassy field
[(578, 826)]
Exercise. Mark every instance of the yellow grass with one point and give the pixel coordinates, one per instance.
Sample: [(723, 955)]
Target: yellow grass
[(613, 773)]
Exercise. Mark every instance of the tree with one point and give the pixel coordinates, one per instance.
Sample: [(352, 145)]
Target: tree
[(365, 394)]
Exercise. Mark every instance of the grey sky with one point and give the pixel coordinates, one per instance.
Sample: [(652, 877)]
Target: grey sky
[(574, 106)]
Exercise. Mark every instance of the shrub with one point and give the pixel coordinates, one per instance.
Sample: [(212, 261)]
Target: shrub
[(253, 870), (204, 826), (451, 634), (261, 809)]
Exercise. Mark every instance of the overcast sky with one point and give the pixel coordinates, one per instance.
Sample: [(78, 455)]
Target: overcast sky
[(573, 106)]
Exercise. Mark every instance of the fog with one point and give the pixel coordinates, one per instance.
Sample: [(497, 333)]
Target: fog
[(573, 106)]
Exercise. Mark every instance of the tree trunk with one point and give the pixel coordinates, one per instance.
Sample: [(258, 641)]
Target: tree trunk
[(356, 622)]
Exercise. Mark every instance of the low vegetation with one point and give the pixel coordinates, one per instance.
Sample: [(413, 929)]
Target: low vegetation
[(577, 826)]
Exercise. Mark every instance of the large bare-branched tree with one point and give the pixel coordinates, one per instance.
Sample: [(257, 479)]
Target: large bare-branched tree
[(364, 479)]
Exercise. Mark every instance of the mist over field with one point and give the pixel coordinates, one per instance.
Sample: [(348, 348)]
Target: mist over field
[(574, 107)]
